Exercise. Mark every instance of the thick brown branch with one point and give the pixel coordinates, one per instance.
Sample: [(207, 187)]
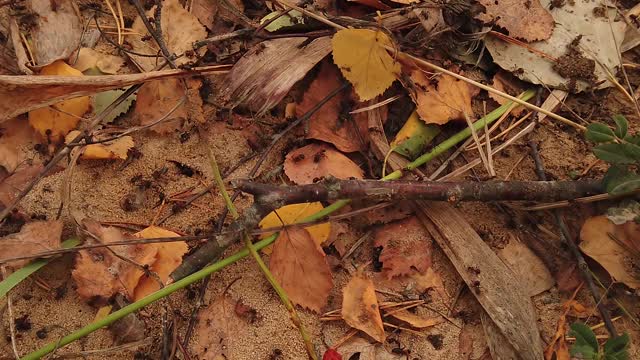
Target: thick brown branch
[(333, 189)]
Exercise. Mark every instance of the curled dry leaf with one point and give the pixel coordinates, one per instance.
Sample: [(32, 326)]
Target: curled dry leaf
[(58, 30), (364, 61), (218, 325), (180, 29), (511, 85), (524, 20), (294, 213), (360, 308), (447, 99), (16, 137), (55, 121), (260, 79), (168, 258), (300, 266), (416, 321), (313, 162), (87, 58), (612, 247), (406, 246), (34, 237), (332, 123), (116, 149), (364, 350)]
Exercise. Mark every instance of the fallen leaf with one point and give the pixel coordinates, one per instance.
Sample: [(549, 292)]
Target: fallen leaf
[(230, 9), (361, 56), (557, 348), (527, 267), (288, 21), (360, 308), (465, 343), (313, 162), (449, 99), (100, 274), (16, 182), (103, 99), (340, 235), (396, 211), (57, 32), (605, 242), (430, 280), (116, 149), (218, 325), (406, 246), (168, 258), (416, 321), (361, 349), (87, 58), (332, 123), (260, 79), (294, 213), (21, 58), (205, 11), (376, 4), (16, 139), (57, 120), (180, 29), (34, 237), (600, 39), (414, 136), (511, 85), (523, 20), (301, 268)]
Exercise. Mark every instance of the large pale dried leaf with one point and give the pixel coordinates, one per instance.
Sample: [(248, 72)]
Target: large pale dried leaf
[(332, 123), (56, 121), (449, 100), (16, 137), (360, 308), (58, 30), (218, 326), (361, 56), (100, 274), (364, 350), (301, 268), (406, 247), (19, 94), (34, 237), (12, 185), (294, 213), (416, 321), (606, 243), (168, 258), (527, 267), (88, 58), (116, 149), (601, 37), (266, 73), (313, 162), (526, 20), (180, 29)]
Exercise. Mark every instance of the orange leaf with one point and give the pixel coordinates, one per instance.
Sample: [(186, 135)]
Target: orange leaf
[(16, 139), (301, 267), (34, 237), (360, 308), (316, 161), (416, 321), (406, 245)]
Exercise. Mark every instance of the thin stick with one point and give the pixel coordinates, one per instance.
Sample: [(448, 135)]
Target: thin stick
[(115, 17), (12, 325)]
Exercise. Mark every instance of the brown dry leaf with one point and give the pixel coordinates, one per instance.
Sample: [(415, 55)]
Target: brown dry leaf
[(180, 29), (360, 308), (527, 267), (376, 4), (88, 58), (465, 343), (21, 58), (205, 11), (557, 348), (416, 321), (406, 246), (362, 57), (12, 185), (364, 350), (168, 258), (100, 274), (526, 20), (397, 211), (300, 265), (217, 326), (265, 74), (313, 162), (430, 280), (598, 235), (58, 30), (294, 213), (34, 237), (55, 122), (16, 138), (331, 123), (116, 149), (155, 100), (449, 99), (341, 234), (19, 94), (506, 82)]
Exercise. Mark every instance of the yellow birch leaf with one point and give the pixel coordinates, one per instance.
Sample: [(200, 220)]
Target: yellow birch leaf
[(361, 56), (116, 149), (56, 120), (291, 214)]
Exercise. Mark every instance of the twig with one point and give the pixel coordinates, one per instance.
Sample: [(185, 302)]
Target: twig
[(232, 35), (568, 240), (12, 325), (155, 32)]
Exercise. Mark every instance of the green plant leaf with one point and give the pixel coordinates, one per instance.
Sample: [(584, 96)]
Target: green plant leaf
[(584, 351), (622, 126), (633, 139), (286, 21), (616, 153), (103, 99), (584, 336), (599, 133), (414, 136), (619, 180), (617, 348)]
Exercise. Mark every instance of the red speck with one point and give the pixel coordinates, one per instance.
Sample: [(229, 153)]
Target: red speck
[(331, 354)]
